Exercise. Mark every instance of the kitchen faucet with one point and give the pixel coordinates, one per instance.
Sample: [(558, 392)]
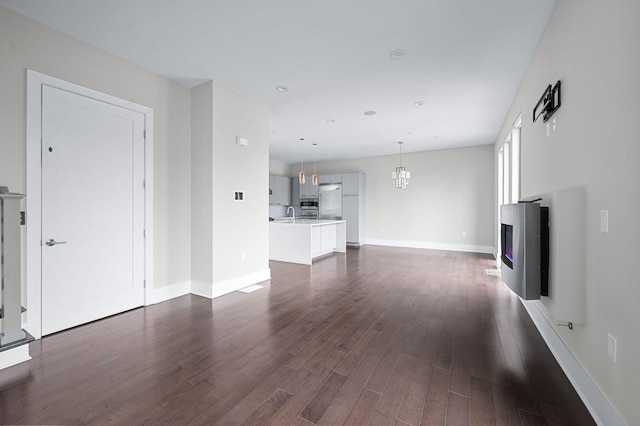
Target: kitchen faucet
[(293, 216)]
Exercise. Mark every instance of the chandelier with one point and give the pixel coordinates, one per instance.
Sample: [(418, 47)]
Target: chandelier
[(401, 176)]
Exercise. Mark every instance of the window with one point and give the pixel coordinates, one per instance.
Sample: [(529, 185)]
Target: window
[(509, 171)]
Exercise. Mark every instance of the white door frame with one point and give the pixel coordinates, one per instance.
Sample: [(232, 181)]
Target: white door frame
[(35, 81)]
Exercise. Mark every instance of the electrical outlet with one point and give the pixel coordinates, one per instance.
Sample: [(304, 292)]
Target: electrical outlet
[(242, 257), (612, 348)]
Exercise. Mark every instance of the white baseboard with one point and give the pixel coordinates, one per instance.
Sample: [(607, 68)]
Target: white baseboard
[(201, 288), (601, 409), (432, 246), (14, 356), (224, 287), (163, 294), (221, 288)]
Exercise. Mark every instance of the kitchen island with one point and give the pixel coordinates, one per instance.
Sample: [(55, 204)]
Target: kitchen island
[(302, 240)]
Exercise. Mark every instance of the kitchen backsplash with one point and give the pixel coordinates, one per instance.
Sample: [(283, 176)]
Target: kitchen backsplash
[(276, 210)]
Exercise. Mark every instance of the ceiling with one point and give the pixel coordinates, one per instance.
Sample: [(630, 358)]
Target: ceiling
[(459, 65)]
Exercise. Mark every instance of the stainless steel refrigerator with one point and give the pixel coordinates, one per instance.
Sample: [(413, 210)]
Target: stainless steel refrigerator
[(330, 201)]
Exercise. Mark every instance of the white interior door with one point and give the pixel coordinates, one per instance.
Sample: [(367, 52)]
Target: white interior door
[(92, 209)]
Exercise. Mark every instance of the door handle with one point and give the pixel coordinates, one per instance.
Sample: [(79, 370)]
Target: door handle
[(51, 242)]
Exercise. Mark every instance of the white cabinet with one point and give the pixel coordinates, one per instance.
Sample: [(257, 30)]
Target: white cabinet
[(351, 183), (295, 192), (353, 207), (286, 191), (307, 190), (330, 178), (272, 189), (279, 190)]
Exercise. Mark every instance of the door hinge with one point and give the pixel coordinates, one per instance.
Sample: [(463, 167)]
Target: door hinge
[(144, 134), (23, 218), (144, 283), (144, 233), (144, 184)]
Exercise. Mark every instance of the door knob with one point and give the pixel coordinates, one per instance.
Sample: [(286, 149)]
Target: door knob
[(54, 242)]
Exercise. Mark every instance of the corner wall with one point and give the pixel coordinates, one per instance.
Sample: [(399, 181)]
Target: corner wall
[(240, 229), (592, 47), (202, 189), (230, 239)]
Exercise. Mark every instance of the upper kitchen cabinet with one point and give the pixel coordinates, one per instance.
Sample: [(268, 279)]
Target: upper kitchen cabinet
[(272, 189), (307, 190), (279, 190), (353, 184), (330, 179)]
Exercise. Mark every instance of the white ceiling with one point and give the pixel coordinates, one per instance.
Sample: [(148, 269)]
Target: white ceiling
[(463, 58)]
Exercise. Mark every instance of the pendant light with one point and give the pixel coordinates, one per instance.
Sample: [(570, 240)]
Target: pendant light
[(314, 176), (301, 178), (401, 176)]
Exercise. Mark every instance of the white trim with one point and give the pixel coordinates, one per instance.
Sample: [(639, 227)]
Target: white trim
[(518, 123), (432, 246), (14, 356), (601, 409), (203, 289), (225, 287), (162, 294), (35, 81)]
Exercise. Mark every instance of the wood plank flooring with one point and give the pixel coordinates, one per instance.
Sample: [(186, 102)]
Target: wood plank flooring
[(381, 336)]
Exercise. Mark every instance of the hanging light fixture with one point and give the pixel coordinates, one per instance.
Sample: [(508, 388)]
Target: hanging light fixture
[(401, 176), (314, 176), (301, 178)]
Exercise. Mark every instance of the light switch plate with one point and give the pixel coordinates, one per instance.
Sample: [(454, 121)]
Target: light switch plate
[(612, 348), (604, 221)]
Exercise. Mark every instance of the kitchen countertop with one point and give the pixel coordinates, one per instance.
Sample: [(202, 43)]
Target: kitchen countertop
[(312, 222)]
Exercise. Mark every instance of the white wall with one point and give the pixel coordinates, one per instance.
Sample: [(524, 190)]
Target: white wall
[(230, 239), (25, 44), (593, 48), (202, 188), (239, 227), (278, 168), (450, 192)]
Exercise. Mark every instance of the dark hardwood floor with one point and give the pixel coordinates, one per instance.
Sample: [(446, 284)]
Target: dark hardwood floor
[(379, 336)]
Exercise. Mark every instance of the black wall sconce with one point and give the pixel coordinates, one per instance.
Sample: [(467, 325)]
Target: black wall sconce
[(548, 104)]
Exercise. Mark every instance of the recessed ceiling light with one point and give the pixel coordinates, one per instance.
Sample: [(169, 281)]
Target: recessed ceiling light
[(282, 89), (370, 113), (418, 103), (330, 121), (397, 54)]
